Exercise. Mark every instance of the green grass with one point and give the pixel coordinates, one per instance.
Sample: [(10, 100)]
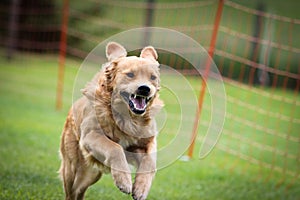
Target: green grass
[(30, 132)]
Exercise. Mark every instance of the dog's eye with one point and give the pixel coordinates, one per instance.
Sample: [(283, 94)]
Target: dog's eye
[(130, 74), (153, 77)]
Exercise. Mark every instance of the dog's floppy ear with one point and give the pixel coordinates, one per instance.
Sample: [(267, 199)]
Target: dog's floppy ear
[(149, 52), (114, 51), (110, 74)]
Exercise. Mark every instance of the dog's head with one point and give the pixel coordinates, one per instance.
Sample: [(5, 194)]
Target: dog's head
[(133, 81)]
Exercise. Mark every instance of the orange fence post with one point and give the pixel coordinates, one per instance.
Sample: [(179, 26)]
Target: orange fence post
[(205, 75), (62, 55)]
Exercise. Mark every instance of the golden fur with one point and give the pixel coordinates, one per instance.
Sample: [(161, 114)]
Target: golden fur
[(113, 124)]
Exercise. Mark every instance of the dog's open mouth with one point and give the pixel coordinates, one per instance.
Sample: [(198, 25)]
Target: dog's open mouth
[(137, 103)]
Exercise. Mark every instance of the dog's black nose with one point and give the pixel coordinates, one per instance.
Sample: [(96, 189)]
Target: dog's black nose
[(143, 90)]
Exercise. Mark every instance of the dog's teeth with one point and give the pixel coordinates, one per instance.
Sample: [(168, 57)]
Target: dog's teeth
[(134, 96)]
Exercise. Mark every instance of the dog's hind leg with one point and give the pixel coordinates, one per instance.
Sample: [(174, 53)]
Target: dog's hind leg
[(85, 177), (111, 155), (75, 184), (68, 152), (71, 158), (67, 177)]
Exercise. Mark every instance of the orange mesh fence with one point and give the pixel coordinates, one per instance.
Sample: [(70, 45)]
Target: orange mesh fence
[(258, 55), (262, 51), (256, 52)]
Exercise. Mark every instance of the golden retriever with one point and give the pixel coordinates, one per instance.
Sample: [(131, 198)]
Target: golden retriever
[(112, 125)]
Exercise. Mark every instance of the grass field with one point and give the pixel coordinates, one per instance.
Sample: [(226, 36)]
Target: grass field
[(30, 132)]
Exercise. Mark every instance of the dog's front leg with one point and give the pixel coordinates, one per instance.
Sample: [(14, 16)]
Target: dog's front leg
[(110, 154), (145, 174)]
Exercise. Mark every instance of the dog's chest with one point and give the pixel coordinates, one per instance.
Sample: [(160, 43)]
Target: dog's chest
[(127, 143), (125, 140), (132, 144)]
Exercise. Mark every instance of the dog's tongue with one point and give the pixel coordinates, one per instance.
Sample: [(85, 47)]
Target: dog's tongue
[(139, 103)]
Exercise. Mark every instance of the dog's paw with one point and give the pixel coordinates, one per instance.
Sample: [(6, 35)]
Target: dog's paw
[(139, 196), (123, 181), (124, 188), (141, 187)]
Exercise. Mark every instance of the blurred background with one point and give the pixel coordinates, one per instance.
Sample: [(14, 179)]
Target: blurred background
[(257, 51)]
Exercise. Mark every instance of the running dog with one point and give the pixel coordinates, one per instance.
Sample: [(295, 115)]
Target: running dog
[(113, 125)]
